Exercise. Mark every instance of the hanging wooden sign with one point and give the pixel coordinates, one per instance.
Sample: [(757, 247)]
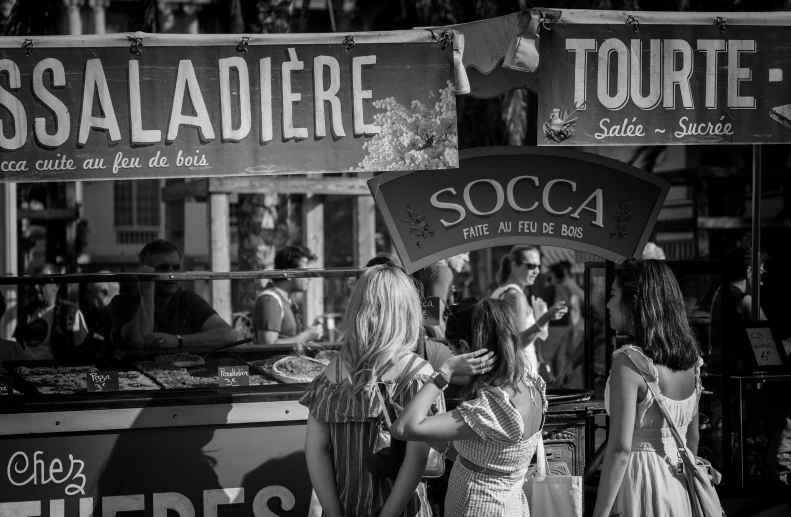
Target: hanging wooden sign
[(520, 195), (639, 84), (127, 106)]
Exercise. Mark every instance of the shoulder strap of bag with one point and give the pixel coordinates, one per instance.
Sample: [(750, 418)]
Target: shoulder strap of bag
[(660, 401), (408, 372)]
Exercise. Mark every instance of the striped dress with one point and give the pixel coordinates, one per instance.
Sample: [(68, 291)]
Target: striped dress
[(352, 421), (501, 448)]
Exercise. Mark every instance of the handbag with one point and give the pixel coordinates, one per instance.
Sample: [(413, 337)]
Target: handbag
[(699, 472), (388, 453), (552, 495)]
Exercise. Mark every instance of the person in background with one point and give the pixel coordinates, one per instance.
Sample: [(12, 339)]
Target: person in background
[(652, 251), (740, 270), (383, 326), (556, 349), (277, 320), (496, 428), (519, 269), (98, 297), (436, 281), (640, 475), (162, 314), (9, 350), (50, 327), (778, 458)]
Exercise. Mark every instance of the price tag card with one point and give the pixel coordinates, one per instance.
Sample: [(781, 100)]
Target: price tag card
[(764, 346), (6, 385), (433, 307), (232, 376), (102, 381)]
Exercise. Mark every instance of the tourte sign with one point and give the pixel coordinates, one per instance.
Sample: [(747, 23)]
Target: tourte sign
[(180, 106), (608, 84), (517, 195)]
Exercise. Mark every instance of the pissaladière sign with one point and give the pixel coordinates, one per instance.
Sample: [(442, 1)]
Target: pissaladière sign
[(92, 108), (664, 84), (517, 195)]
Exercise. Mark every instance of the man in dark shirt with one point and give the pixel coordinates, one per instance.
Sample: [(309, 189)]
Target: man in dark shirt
[(277, 320), (169, 316), (98, 297)]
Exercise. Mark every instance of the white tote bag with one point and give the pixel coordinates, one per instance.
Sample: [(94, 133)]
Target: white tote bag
[(552, 496)]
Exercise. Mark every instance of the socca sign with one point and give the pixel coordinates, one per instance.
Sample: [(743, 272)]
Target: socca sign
[(178, 106), (664, 84), (514, 195)]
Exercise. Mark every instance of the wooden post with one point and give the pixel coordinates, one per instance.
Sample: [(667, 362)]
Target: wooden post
[(364, 226), (8, 255), (218, 213), (75, 17), (313, 226), (99, 21)]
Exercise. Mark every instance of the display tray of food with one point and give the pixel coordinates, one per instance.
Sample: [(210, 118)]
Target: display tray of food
[(54, 378)]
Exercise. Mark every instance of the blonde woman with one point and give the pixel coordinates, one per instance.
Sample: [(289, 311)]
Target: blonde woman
[(383, 324), (519, 269)]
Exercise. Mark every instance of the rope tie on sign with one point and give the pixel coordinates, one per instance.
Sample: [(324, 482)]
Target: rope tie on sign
[(634, 22), (242, 46), (136, 46), (722, 23), (349, 42), (28, 46)]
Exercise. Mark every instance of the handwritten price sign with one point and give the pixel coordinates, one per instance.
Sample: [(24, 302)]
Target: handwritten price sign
[(232, 376), (764, 347), (102, 381), (433, 307), (6, 385)]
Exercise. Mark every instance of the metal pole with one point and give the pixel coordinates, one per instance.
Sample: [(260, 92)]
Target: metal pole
[(756, 223)]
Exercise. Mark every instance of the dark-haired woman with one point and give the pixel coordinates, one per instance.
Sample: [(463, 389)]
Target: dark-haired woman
[(519, 269), (640, 476), (496, 429)]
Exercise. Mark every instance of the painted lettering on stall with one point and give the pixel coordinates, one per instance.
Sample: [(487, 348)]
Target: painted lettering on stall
[(188, 109), (163, 504), (22, 471)]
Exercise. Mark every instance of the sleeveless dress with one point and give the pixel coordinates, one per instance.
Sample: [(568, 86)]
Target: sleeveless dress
[(501, 448), (530, 350), (353, 426), (650, 486)]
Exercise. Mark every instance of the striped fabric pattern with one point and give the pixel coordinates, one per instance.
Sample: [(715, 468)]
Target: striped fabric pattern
[(502, 448), (352, 421)]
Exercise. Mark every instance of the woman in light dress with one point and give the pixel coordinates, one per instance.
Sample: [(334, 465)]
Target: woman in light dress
[(497, 427), (383, 323), (519, 269), (640, 473)]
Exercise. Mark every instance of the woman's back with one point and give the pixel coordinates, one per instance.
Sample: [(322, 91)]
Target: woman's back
[(352, 419), (508, 424)]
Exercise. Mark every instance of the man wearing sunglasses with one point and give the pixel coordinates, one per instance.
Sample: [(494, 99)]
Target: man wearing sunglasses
[(740, 269)]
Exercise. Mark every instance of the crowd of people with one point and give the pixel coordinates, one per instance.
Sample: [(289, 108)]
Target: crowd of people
[(503, 350), (493, 432)]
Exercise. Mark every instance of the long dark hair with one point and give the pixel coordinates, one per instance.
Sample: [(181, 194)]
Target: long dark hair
[(514, 255), (488, 324), (651, 296)]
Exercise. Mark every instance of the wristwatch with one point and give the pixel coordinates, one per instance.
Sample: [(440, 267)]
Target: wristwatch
[(439, 379), (181, 341)]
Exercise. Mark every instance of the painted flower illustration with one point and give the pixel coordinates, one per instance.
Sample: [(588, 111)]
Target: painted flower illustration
[(560, 126), (622, 218), (418, 223), (415, 137)]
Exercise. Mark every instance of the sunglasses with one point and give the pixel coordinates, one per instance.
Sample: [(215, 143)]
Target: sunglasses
[(528, 265)]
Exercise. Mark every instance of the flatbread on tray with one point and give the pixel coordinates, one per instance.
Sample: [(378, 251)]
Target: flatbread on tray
[(296, 369), (180, 360), (326, 356)]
